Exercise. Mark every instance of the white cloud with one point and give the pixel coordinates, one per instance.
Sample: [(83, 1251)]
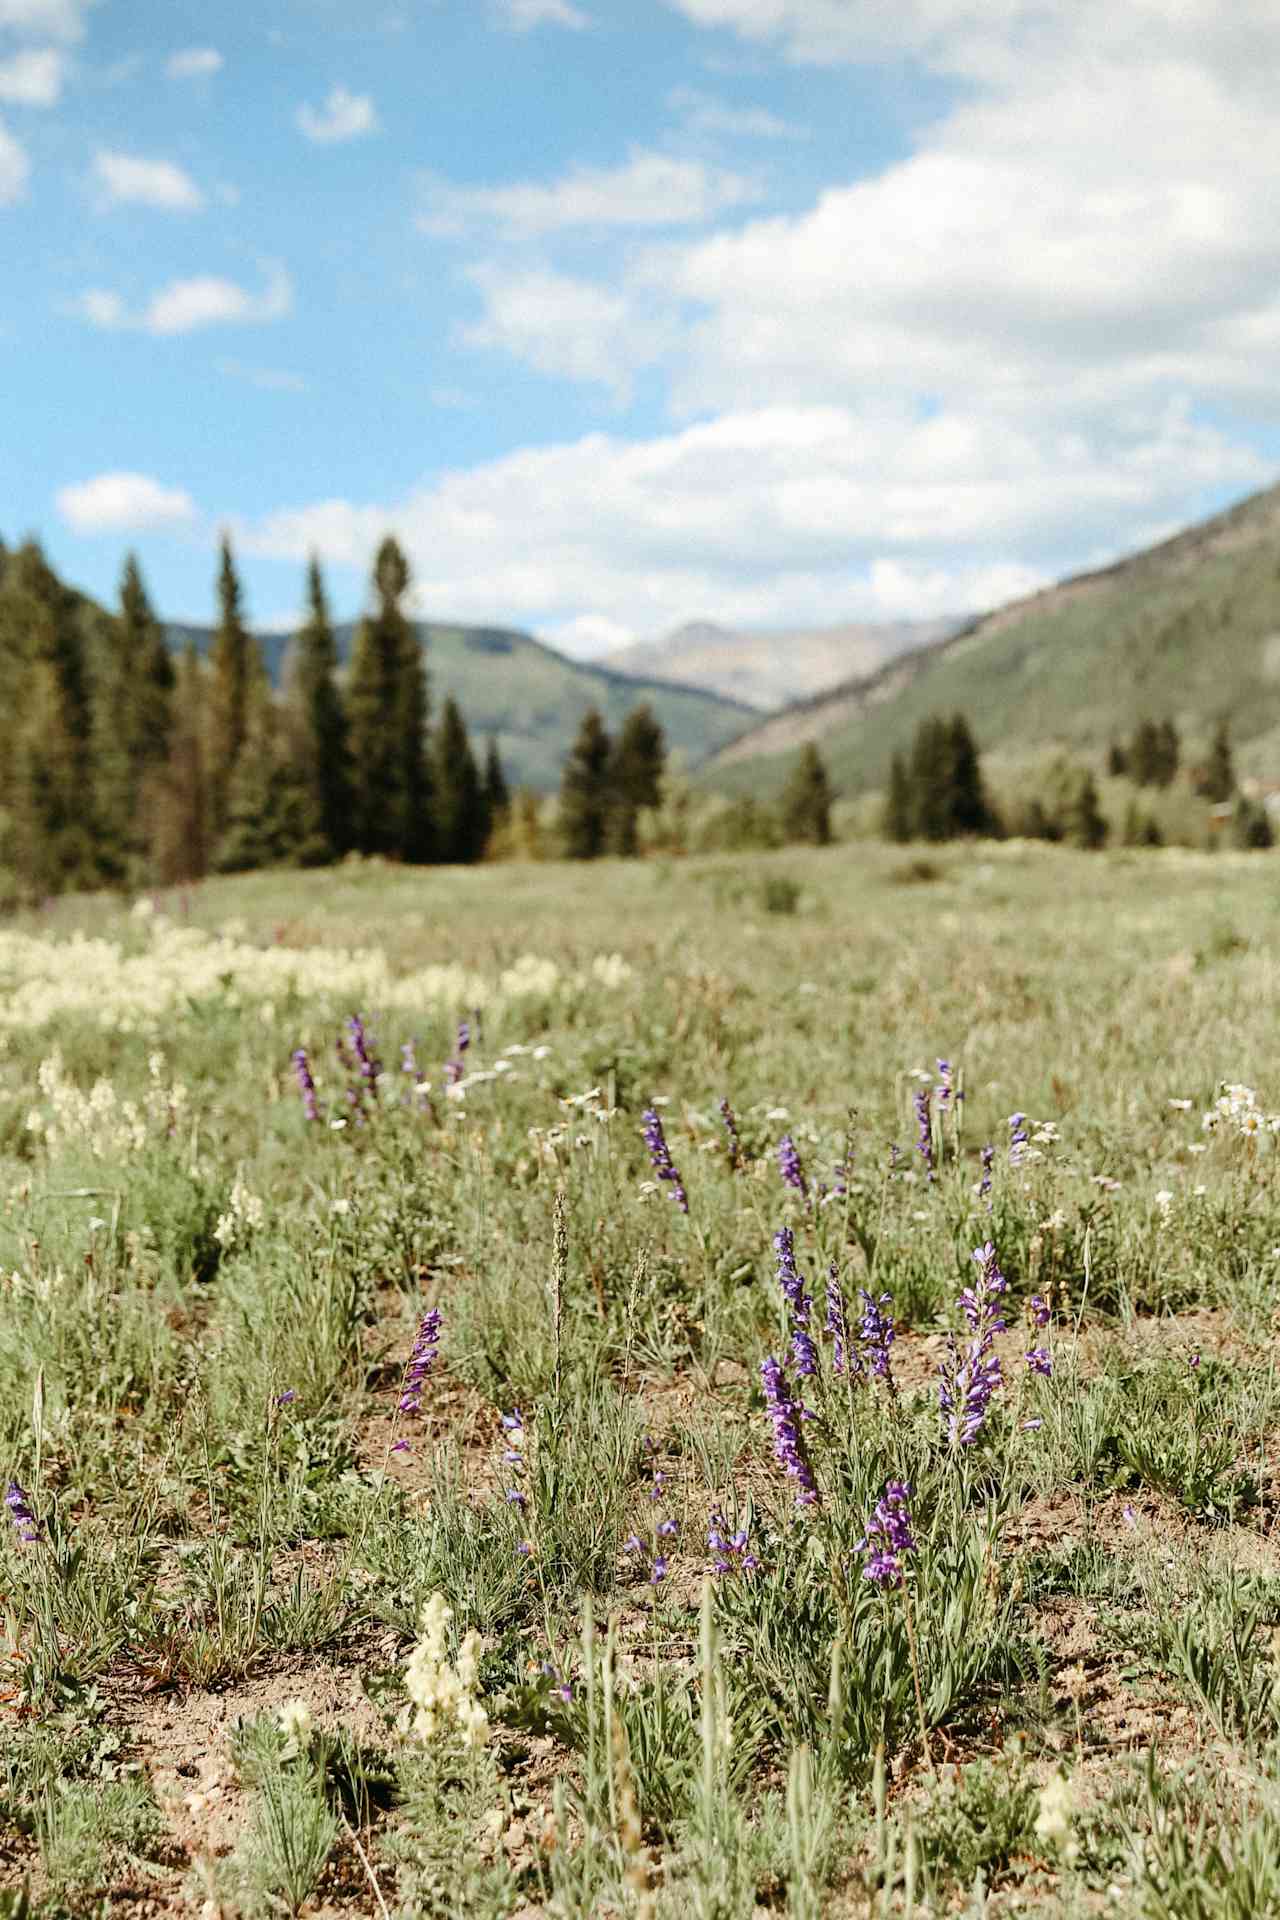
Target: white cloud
[(769, 515), (703, 113), (183, 306), (123, 503), (566, 327), (32, 78), (650, 190), (523, 15), (194, 63), (344, 116), (209, 301), (46, 19), (15, 169), (126, 180)]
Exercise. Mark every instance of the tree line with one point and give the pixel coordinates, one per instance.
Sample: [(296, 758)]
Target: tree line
[(128, 767)]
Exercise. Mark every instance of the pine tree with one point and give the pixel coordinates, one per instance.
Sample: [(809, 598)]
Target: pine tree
[(273, 816), (1083, 824), (316, 728), (132, 705), (234, 664), (899, 814), (179, 841), (53, 842), (635, 776), (461, 820), (387, 716), (1251, 826), (929, 778), (497, 794), (805, 805), (1218, 780), (969, 809), (1145, 755), (1168, 754), (584, 790), (1117, 759)]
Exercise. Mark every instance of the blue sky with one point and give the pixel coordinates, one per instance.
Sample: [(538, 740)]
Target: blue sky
[(626, 312)]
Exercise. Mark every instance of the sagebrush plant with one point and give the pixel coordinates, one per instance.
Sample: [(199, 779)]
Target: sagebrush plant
[(806, 1396)]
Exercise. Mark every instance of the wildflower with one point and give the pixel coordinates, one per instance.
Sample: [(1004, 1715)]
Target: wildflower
[(946, 1089), (791, 1167), (965, 1387), (442, 1692), (789, 1448), (888, 1536), (19, 1505), (453, 1068), (1039, 1361), (789, 1276), (295, 1722), (837, 1325), (987, 1156), (1053, 1818), (1017, 1139), (877, 1335), (287, 1398), (805, 1354), (1163, 1199), (980, 1303), (306, 1084), (660, 1155), (730, 1119), (362, 1047), (422, 1357), (1040, 1312), (731, 1551)]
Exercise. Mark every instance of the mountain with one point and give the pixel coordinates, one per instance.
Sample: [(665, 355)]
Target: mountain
[(532, 698), (770, 668), (1188, 629)]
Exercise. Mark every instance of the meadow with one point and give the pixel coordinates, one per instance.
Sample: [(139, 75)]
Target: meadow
[(706, 1387)]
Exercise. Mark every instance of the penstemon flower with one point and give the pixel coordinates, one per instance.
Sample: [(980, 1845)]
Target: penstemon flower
[(791, 1167), (18, 1502), (924, 1129), (730, 1118), (660, 1155), (877, 1335), (306, 1084), (789, 1447), (888, 1537), (422, 1358)]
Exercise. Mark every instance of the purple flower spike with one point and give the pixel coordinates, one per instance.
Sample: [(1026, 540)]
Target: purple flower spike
[(984, 1185), (924, 1129), (980, 1303), (306, 1084), (789, 1279), (731, 1551), (1040, 1314), (19, 1504), (877, 1335), (453, 1068), (730, 1119), (791, 1167), (889, 1537), (1039, 1361), (422, 1358), (789, 1448), (660, 1155), (843, 1352), (1017, 1139)]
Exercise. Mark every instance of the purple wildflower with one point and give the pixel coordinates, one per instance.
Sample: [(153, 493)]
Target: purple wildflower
[(422, 1357), (805, 1354), (791, 1167), (658, 1571), (888, 1536), (513, 1431), (731, 1551), (306, 1083), (924, 1129), (984, 1185), (877, 1334), (1039, 1361), (730, 1118), (287, 1398), (789, 1448), (1017, 1139), (1040, 1313), (789, 1276), (980, 1303), (843, 1351), (453, 1068), (965, 1386), (946, 1088), (19, 1504), (660, 1155), (367, 1063)]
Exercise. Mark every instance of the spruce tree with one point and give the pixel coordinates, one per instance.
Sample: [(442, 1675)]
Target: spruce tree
[(929, 778), (1144, 754), (969, 809), (1168, 754), (584, 790), (387, 718), (316, 728), (52, 838), (461, 823), (805, 806), (234, 664), (1218, 780), (132, 705), (179, 844), (635, 776), (497, 794), (899, 814), (1083, 824)]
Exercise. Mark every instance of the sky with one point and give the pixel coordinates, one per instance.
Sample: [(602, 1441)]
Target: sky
[(623, 313)]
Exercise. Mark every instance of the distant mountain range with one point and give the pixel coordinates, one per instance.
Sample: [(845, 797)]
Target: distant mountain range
[(530, 698), (1188, 629), (770, 668)]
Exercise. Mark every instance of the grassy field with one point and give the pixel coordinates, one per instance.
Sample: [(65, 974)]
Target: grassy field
[(400, 1521)]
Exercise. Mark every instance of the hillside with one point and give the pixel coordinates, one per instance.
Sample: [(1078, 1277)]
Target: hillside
[(770, 668), (530, 697), (1189, 629)]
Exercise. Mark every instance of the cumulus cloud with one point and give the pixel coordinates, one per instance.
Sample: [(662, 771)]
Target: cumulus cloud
[(566, 327), (767, 515), (15, 169), (650, 190), (46, 19), (703, 113), (523, 15), (33, 77), (344, 116), (123, 503), (194, 63), (205, 300), (127, 180)]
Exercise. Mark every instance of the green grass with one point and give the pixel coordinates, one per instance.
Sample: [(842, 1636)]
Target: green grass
[(209, 1302)]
